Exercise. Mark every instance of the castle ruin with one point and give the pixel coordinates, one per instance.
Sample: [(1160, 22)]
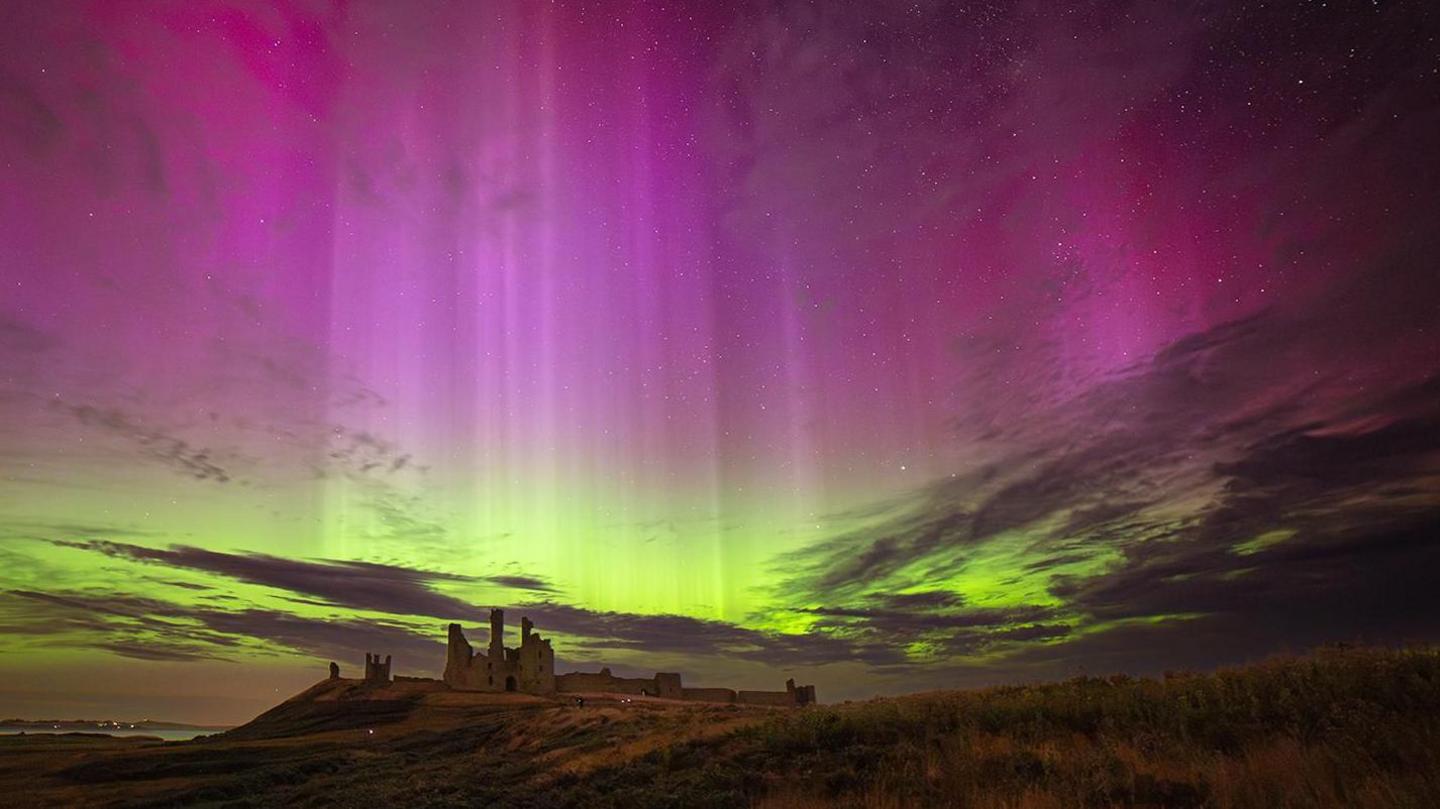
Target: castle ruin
[(530, 669), (375, 671)]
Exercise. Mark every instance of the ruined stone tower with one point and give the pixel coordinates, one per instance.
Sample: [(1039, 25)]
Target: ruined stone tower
[(530, 668), (497, 633), (376, 671)]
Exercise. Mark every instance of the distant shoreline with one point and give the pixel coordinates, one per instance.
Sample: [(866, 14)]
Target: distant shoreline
[(164, 731), (105, 725)]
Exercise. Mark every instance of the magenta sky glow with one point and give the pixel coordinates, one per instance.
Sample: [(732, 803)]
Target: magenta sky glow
[(960, 342)]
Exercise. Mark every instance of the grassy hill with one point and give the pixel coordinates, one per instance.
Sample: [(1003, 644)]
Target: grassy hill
[(1342, 727)]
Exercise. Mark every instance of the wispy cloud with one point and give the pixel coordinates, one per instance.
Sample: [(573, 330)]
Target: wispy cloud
[(149, 629), (153, 442), (684, 635), (407, 593), (1196, 492), (355, 584)]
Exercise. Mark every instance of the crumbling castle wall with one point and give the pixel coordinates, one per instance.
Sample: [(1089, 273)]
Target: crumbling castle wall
[(458, 659), (708, 694), (606, 683), (667, 686), (375, 670), (530, 668)]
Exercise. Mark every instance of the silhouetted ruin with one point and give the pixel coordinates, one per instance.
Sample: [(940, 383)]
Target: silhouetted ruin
[(334, 670), (530, 669), (375, 671)]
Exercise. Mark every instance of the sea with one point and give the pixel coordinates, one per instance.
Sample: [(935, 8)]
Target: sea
[(167, 735)]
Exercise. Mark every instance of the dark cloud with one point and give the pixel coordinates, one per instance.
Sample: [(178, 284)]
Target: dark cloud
[(924, 600), (26, 117), (329, 582), (1310, 458), (1312, 516), (678, 634), (936, 621), (157, 444), (158, 630), (184, 585), (38, 529), (119, 606), (18, 337), (358, 585), (154, 651), (519, 582), (128, 626), (334, 639), (148, 629), (405, 591), (1087, 518), (912, 538), (900, 622), (1035, 632)]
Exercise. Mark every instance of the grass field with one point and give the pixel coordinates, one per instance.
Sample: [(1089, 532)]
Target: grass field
[(1340, 727)]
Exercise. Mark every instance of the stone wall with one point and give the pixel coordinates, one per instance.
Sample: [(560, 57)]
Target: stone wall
[(606, 683), (708, 694), (667, 685)]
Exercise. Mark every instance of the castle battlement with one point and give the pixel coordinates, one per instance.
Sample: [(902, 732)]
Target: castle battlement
[(375, 671), (530, 669)]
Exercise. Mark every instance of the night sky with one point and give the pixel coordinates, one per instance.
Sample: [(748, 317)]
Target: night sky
[(885, 345)]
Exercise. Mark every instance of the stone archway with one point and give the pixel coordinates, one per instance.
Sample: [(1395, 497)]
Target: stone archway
[(509, 683)]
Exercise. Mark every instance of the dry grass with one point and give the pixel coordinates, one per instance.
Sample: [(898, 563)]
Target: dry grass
[(1340, 728)]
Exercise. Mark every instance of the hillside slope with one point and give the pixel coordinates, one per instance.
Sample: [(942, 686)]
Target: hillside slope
[(1337, 728)]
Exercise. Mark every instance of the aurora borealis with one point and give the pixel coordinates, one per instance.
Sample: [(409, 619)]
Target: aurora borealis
[(890, 345)]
